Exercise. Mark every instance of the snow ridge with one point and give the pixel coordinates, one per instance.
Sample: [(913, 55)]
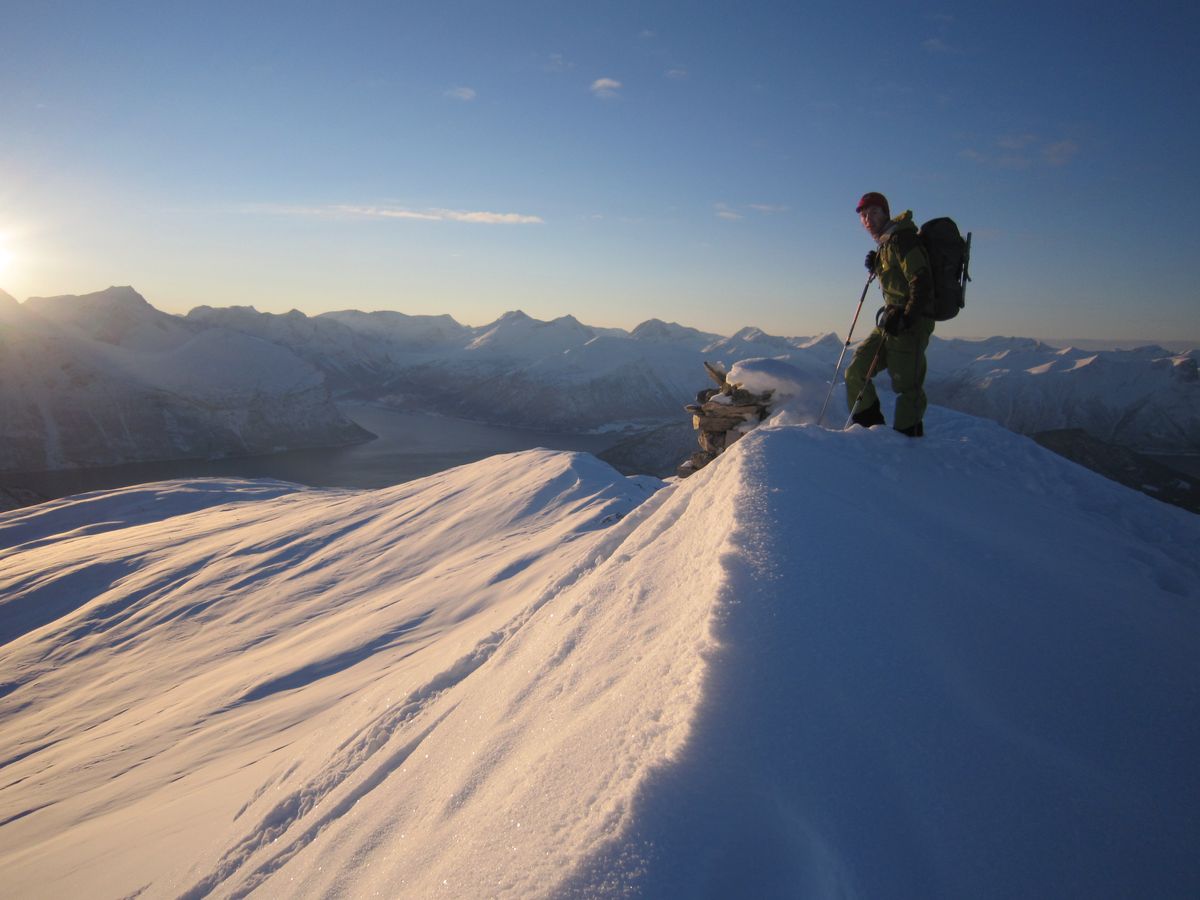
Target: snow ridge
[(829, 663)]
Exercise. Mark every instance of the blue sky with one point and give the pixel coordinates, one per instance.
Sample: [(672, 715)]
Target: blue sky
[(617, 161)]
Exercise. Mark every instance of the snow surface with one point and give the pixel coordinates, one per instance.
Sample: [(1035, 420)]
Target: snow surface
[(829, 664)]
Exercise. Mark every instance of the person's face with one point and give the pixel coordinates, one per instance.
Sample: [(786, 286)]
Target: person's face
[(874, 219)]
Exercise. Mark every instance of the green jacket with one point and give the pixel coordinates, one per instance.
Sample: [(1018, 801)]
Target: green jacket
[(903, 268)]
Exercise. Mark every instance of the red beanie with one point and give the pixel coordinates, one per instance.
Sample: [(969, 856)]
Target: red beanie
[(874, 199)]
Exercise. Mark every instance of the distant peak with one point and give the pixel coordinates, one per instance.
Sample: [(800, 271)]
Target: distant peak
[(123, 294)]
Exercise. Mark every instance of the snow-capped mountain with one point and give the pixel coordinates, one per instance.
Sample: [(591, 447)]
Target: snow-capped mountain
[(832, 663), (106, 378), (560, 375), (1147, 399), (563, 375)]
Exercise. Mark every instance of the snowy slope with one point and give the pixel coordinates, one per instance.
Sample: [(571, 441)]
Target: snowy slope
[(830, 664)]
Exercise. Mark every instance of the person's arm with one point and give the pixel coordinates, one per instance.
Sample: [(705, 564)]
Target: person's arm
[(914, 263)]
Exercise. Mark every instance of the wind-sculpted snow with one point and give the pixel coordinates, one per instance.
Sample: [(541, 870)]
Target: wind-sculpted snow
[(829, 664)]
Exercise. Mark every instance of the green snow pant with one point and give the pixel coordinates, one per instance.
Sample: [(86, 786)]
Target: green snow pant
[(904, 358)]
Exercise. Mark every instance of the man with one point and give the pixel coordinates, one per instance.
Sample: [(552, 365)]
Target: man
[(904, 324)]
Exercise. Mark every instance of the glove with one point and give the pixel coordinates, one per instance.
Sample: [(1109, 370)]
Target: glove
[(893, 320), (869, 262)]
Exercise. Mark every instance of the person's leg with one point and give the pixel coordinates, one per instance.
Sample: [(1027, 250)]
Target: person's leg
[(907, 368), (858, 378)]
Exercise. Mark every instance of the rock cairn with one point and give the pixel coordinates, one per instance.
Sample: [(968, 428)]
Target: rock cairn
[(721, 415)]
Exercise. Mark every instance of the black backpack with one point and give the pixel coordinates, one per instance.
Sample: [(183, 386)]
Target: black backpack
[(949, 257)]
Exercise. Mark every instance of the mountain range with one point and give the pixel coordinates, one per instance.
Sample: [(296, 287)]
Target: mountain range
[(106, 378)]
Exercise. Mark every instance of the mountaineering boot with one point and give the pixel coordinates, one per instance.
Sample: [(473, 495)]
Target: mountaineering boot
[(917, 430), (868, 417)]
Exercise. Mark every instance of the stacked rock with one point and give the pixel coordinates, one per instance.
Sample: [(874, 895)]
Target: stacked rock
[(721, 415)]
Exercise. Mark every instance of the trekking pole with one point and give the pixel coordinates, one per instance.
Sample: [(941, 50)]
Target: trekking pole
[(870, 375), (845, 347)]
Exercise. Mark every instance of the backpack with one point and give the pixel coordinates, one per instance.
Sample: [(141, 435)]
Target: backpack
[(949, 256)]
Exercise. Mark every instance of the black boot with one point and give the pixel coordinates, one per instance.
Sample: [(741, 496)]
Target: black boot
[(917, 430), (868, 417)]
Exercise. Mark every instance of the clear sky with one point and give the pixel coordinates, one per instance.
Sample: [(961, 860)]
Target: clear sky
[(696, 162)]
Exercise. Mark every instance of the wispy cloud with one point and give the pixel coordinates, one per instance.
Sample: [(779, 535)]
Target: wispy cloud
[(558, 63), (647, 35), (677, 73), (353, 211), (1023, 151), (1060, 152), (1016, 141), (938, 43), (461, 93), (606, 88), (737, 213)]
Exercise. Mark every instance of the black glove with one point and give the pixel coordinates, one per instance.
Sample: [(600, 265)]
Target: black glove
[(893, 320), (869, 262)]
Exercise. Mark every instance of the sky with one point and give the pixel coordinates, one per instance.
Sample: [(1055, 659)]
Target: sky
[(693, 162)]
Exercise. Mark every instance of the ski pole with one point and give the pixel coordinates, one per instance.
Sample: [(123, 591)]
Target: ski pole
[(870, 375), (845, 347)]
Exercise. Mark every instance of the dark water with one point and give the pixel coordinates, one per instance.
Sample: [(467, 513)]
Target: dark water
[(410, 445), (1189, 465)]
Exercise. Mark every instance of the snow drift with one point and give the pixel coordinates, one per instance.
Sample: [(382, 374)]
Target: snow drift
[(830, 664)]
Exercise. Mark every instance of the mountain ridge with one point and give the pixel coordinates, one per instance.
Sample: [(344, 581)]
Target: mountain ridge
[(560, 375)]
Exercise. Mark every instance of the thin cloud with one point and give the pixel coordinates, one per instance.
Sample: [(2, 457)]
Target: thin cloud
[(1023, 151), (606, 88), (558, 63), (766, 209), (677, 73), (1060, 152), (938, 45), (647, 35), (729, 215), (352, 211), (1017, 141), (441, 215), (465, 94)]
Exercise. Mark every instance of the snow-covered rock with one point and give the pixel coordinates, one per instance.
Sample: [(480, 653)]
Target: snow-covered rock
[(830, 664)]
